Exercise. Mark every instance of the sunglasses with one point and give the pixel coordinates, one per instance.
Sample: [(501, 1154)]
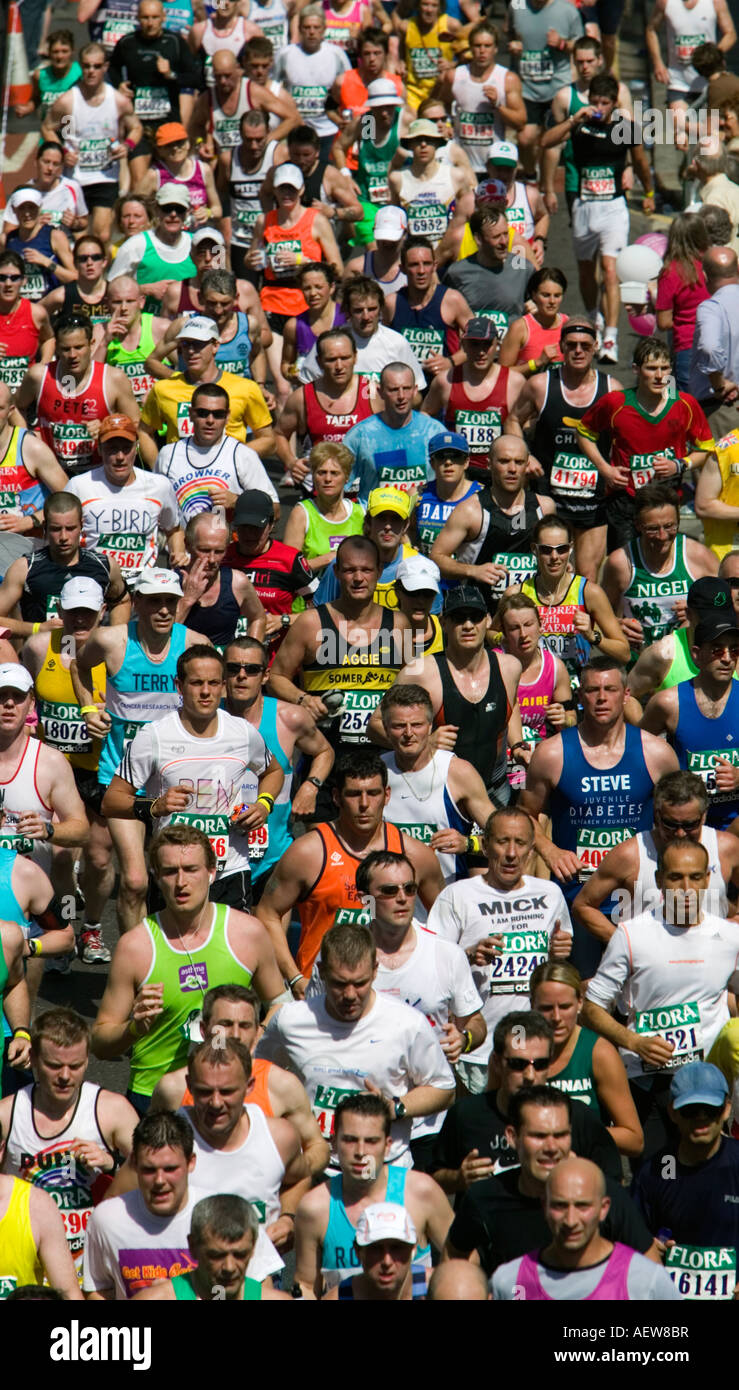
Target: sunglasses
[(250, 668), (553, 549), (670, 824), (89, 256), (167, 208), (203, 413), (521, 1064), (732, 583), (391, 890), (10, 279), (657, 530)]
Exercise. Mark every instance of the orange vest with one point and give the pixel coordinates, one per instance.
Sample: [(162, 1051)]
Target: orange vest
[(334, 898), (281, 294), (258, 1095)]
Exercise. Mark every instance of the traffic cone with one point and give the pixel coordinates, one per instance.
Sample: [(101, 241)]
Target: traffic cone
[(18, 78)]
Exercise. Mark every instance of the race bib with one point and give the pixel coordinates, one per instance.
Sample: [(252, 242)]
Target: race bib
[(516, 219), (594, 845), (184, 423), (125, 547), (356, 714), (130, 730), (427, 219), (271, 249), (498, 317), (511, 971), (423, 832), (641, 466), (151, 102), (517, 566), (425, 62), (34, 284), (702, 1271), (11, 837), (574, 474), (378, 189), (8, 1282), (72, 443), (324, 1106), (258, 841), (679, 1024), (425, 342), (310, 101), (352, 917), (52, 605), (64, 728), (215, 827), (13, 370), (598, 184), (226, 131), (476, 127), (117, 25), (393, 470), (704, 766), (141, 382), (246, 217), (536, 65), (479, 427), (93, 154), (685, 46)]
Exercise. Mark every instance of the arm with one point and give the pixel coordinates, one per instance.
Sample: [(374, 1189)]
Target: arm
[(544, 771), (653, 49), (726, 26), (615, 870), (427, 869), (614, 643), (296, 646), (51, 1242), (312, 744), (324, 235), (708, 494), (125, 1012), (659, 715), (289, 881), (614, 1095), (292, 1104)]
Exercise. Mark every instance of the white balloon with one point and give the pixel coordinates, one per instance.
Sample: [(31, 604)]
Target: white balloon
[(638, 263)]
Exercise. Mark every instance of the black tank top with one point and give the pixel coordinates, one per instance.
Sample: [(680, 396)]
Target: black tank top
[(553, 439), (217, 621), (45, 580), (361, 673), (503, 538), (482, 726), (75, 304), (312, 192)]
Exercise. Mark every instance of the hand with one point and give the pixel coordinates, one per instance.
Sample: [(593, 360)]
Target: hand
[(560, 943), (617, 477), (656, 1051), (222, 497), (553, 38), (314, 706), (436, 364), (563, 863), (534, 468), (126, 90), (664, 467), (538, 250), (661, 74), (93, 1156), (556, 715), (329, 210), (522, 756), (299, 988), (489, 574), (147, 1006), (282, 1233), (515, 47), (252, 817), (304, 801), (583, 625), (270, 398), (582, 115), (25, 109), (551, 203), (632, 631), (163, 67), (680, 609), (485, 950), (71, 155), (449, 842), (284, 259), (174, 799), (474, 1168), (664, 1245), (445, 737), (253, 257), (627, 179), (116, 327), (19, 1054), (451, 1043), (33, 825), (98, 723), (118, 150), (727, 776), (34, 257), (200, 215), (374, 1090), (16, 521), (274, 624), (93, 428), (299, 470), (491, 93), (198, 578)]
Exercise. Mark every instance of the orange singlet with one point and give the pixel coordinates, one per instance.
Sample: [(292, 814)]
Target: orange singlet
[(334, 898), (259, 1094), (281, 292)]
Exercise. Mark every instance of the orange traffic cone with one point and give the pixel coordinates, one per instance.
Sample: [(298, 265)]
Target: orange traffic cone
[(17, 75)]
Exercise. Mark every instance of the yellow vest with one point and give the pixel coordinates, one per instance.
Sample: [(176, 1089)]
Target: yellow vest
[(61, 723), (723, 536), (468, 245), (19, 1258), (423, 56)]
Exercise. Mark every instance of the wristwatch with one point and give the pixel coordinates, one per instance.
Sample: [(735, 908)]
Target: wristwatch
[(33, 947), (399, 1108), (285, 620), (49, 830), (597, 637), (316, 782)]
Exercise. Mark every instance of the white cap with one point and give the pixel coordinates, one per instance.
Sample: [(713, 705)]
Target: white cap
[(173, 193), (158, 581), (383, 92), (390, 224), (82, 593), (208, 234), (199, 327), (502, 152), (385, 1221), (418, 572), (15, 677), (25, 195), (288, 174)]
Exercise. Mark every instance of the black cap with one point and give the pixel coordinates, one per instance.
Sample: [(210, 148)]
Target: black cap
[(465, 596), (717, 625), (709, 595), (253, 508)]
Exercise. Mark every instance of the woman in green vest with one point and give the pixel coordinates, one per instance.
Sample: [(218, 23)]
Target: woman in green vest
[(317, 525), (583, 1064)]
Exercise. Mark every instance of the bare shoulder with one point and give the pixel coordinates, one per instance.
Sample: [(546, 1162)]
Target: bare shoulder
[(314, 1206), (133, 953), (11, 937), (421, 1187), (284, 1135), (287, 1093)]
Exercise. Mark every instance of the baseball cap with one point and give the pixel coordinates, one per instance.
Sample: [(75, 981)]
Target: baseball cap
[(173, 193), (491, 191), (417, 129), (13, 676), (389, 499), (443, 443), (118, 427), (288, 174), (169, 132), (715, 625), (253, 508), (480, 328), (710, 595), (208, 234), (502, 152), (159, 581), (383, 92), (390, 224), (698, 1083), (25, 195), (200, 328), (465, 596), (418, 572), (82, 593), (385, 1221)]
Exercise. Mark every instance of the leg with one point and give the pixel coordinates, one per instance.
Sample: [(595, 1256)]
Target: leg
[(274, 358), (528, 143), (590, 549), (678, 109), (588, 285), (102, 223), (128, 842), (97, 874), (611, 296)]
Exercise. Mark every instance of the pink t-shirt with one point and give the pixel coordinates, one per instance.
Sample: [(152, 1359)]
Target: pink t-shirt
[(673, 292)]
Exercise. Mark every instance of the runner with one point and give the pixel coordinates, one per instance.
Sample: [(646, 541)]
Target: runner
[(433, 194), (248, 165), (131, 335), (394, 442), (206, 466), (216, 600), (448, 457), (222, 1260), (430, 317), (33, 1244), (383, 263), (544, 691), (280, 576), (44, 250), (28, 472), (318, 524), (325, 409), (385, 1240), (486, 95), (25, 330)]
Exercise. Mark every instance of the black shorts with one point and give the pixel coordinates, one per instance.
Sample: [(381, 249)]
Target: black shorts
[(101, 195), (619, 509), (537, 112), (585, 520), (607, 14), (89, 789), (277, 322), (234, 890)]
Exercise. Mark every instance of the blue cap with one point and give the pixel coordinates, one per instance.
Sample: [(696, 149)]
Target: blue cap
[(442, 443), (698, 1083)]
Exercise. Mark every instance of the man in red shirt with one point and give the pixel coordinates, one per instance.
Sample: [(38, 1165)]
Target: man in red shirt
[(278, 572), (655, 433)]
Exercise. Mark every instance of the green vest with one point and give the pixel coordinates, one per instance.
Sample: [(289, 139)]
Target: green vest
[(321, 535), (131, 360), (650, 597), (153, 268), (682, 667), (374, 165), (51, 87), (577, 1077), (186, 976), (183, 1288)]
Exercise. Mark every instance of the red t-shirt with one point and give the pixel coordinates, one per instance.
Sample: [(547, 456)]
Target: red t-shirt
[(637, 437), (683, 298)]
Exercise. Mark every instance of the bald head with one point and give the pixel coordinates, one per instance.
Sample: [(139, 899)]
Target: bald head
[(457, 1281), (576, 1175), (720, 265), (574, 1206), (224, 61)]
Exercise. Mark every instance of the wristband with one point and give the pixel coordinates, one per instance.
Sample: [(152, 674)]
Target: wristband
[(531, 364), (21, 1033), (468, 1035), (267, 801), (521, 744), (473, 844), (129, 143), (37, 628), (682, 465), (298, 258), (294, 980), (289, 1214), (88, 709)]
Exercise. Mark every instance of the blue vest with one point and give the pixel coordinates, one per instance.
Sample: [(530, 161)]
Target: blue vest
[(339, 1251), (235, 356), (698, 741), (280, 838), (136, 679), (10, 908)]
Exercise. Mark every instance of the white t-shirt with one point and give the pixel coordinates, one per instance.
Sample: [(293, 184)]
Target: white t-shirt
[(128, 1248), (228, 464), (66, 196), (373, 354), (437, 980), (677, 979), (468, 911), (392, 1045), (122, 522), (309, 78), (163, 754), (131, 253)]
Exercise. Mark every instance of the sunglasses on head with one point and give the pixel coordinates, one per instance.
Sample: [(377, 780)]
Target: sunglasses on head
[(553, 549), (250, 668), (391, 890), (522, 1064)]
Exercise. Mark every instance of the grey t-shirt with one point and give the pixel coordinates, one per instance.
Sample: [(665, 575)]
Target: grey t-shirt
[(543, 70), (493, 292), (646, 1282)]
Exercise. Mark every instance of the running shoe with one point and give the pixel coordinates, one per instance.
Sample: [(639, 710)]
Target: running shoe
[(609, 351), (92, 950)]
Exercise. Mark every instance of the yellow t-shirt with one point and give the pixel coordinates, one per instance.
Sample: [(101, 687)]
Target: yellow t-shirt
[(723, 536), (167, 406), (19, 1257), (424, 54)]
